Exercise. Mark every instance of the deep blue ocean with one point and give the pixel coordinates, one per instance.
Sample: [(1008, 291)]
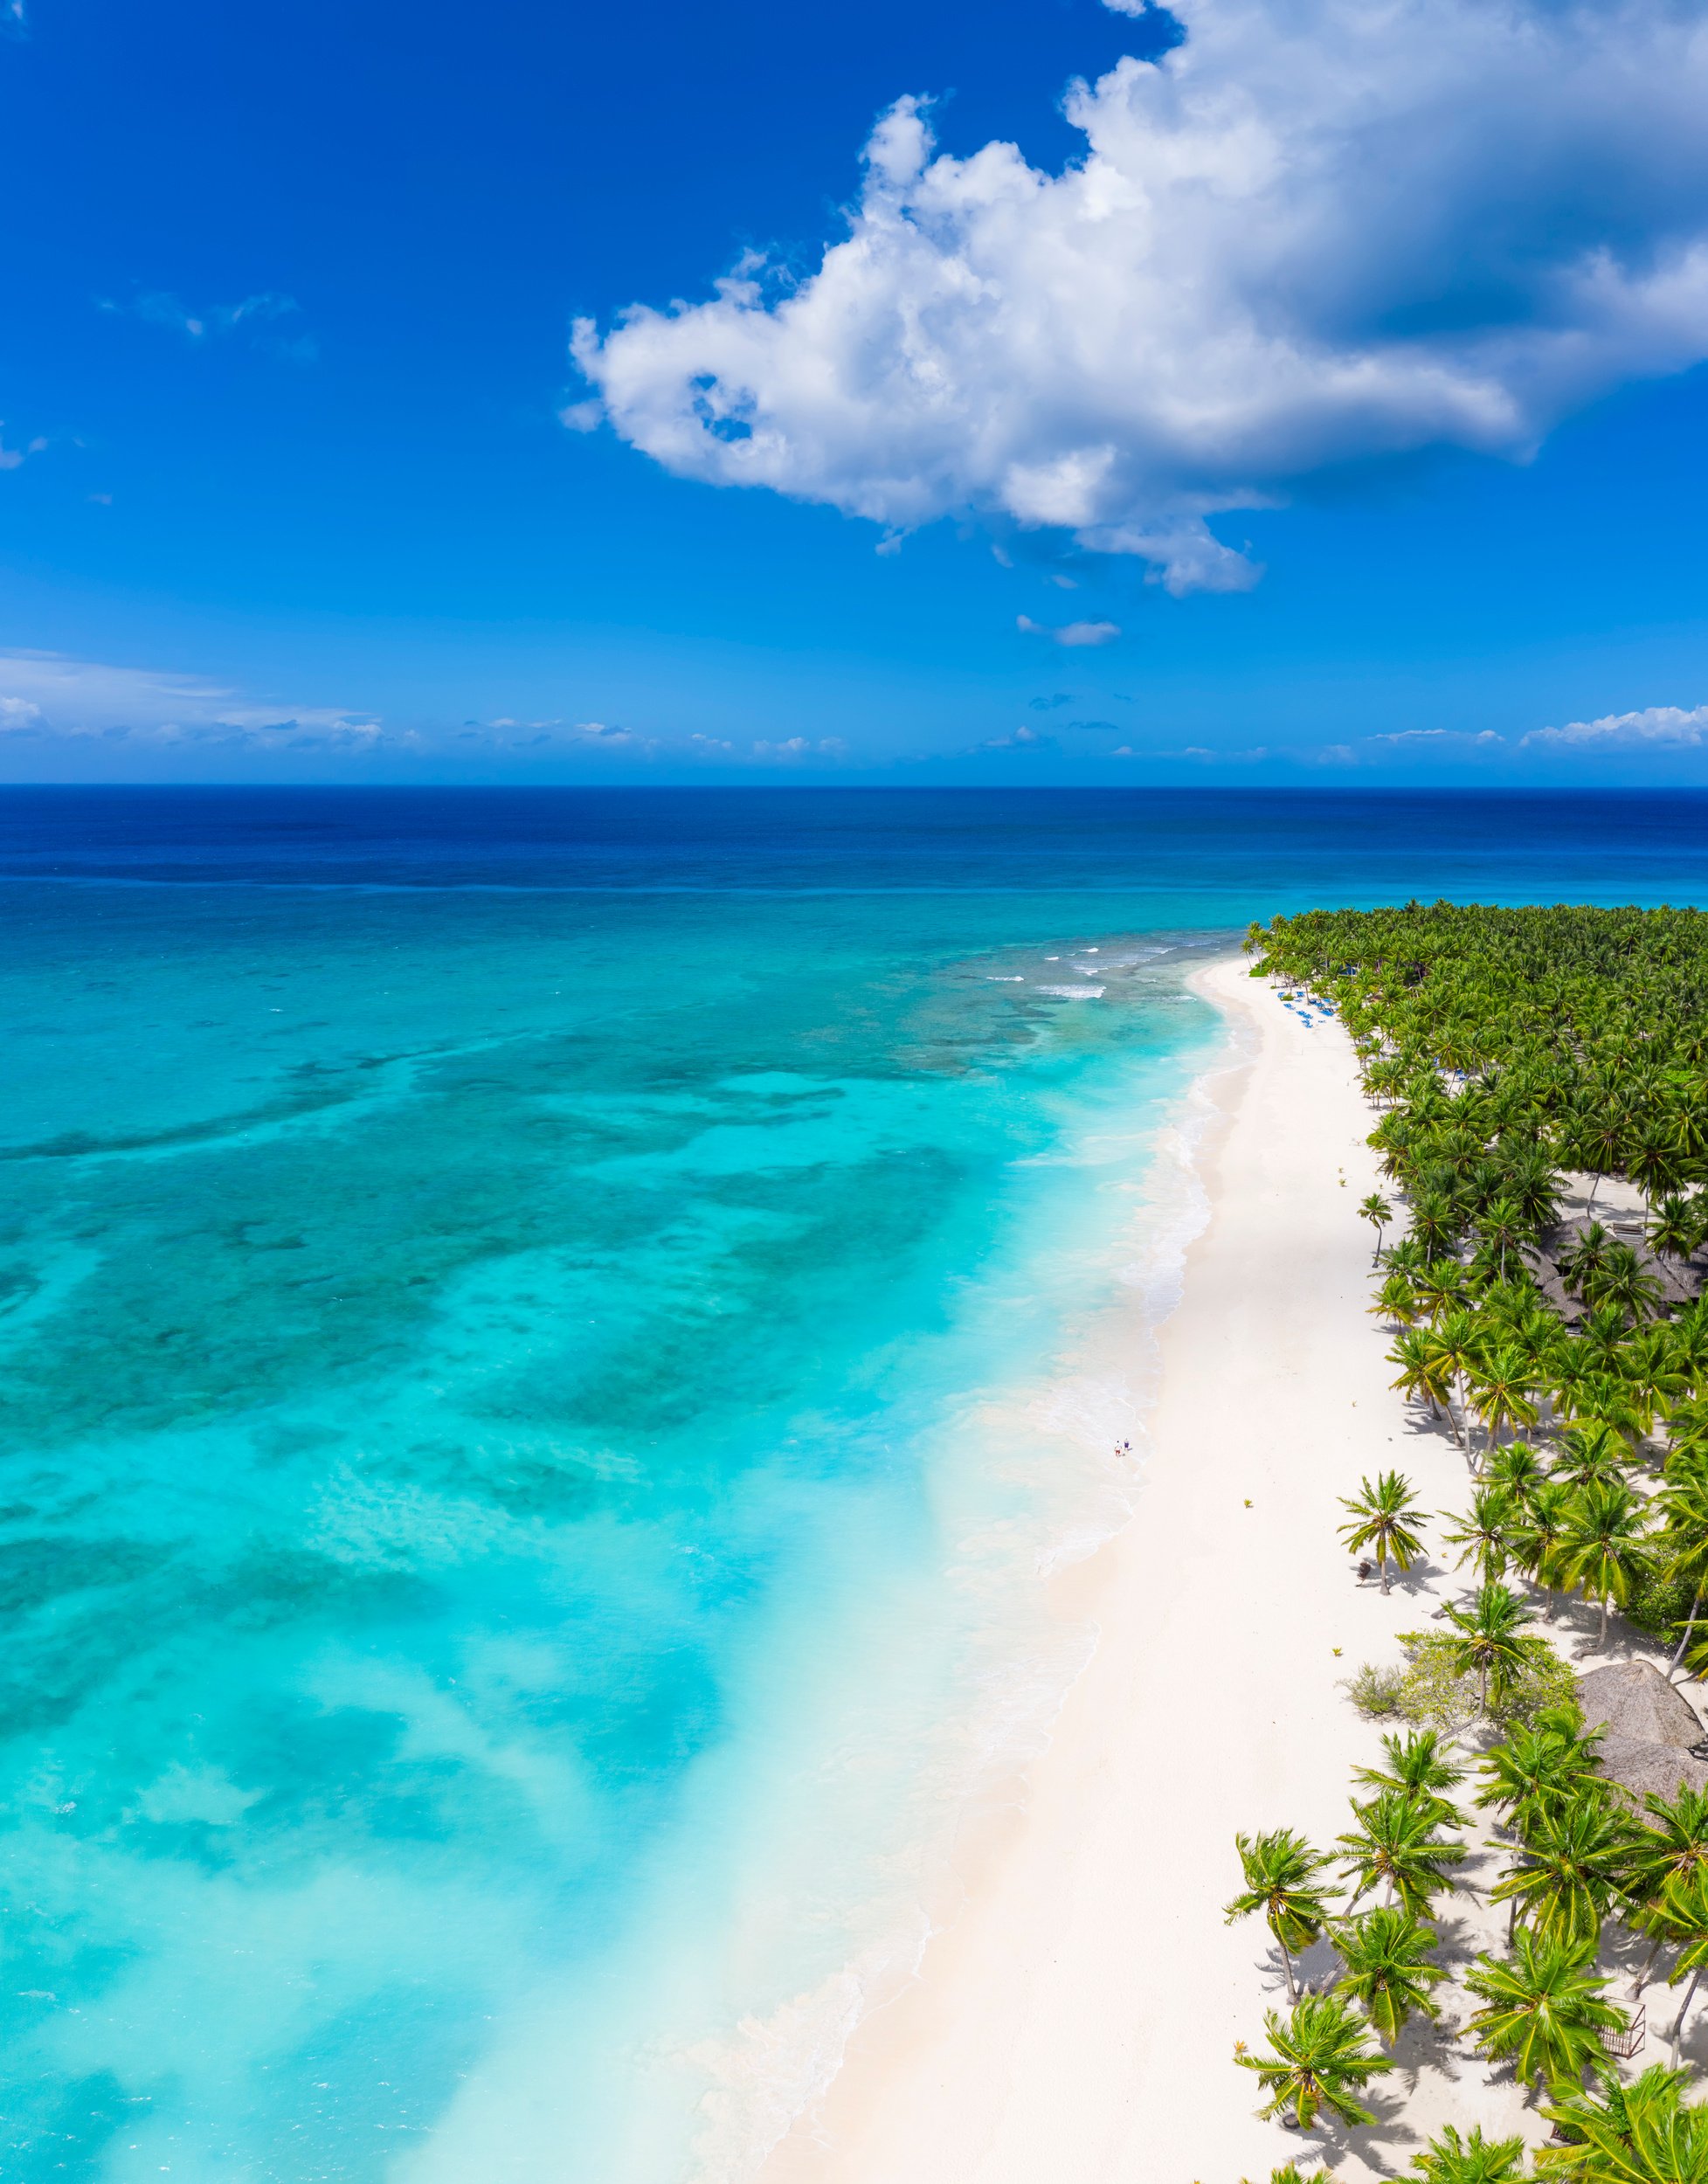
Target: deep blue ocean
[(546, 1341)]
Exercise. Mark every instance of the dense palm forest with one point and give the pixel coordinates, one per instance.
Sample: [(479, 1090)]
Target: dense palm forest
[(1527, 1068)]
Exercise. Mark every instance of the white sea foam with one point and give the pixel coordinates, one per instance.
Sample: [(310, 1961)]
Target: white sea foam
[(1074, 992)]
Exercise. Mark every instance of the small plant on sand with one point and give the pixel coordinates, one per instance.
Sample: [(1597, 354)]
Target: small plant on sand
[(1376, 1692), (1318, 2060)]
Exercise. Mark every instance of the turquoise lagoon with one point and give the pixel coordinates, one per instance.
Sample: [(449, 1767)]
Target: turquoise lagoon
[(547, 1344)]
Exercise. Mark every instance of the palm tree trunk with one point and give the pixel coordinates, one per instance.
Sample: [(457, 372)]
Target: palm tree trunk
[(1642, 1977), (1287, 1959), (1601, 1643), (1678, 2028), (1382, 1560), (1685, 1636)]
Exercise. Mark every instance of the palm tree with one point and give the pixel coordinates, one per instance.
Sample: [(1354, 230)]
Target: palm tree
[(1456, 1344), (1674, 1229), (1417, 1769), (1603, 1549), (1281, 1871), (1489, 1644), (1503, 1228), (1376, 1211), (1624, 1281), (1450, 2160), (1384, 1517), (1543, 2009), (1569, 1869), (1422, 1377), (1390, 1968), (1584, 1256), (1679, 1914), (1535, 1542), (1485, 1536), (1682, 1504), (1396, 1300), (1628, 2134), (1591, 1454), (1319, 2060), (1505, 1390), (1517, 1470), (1395, 1841), (1539, 1768)]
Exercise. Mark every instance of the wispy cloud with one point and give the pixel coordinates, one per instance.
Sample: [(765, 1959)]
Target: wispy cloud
[(1656, 728), (1438, 739), (257, 318), (1070, 633), (10, 458), (48, 696)]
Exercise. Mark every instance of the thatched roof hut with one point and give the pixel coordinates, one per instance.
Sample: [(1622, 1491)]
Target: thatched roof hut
[(1650, 1727)]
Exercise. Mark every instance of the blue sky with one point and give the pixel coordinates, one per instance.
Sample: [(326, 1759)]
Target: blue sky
[(1348, 453)]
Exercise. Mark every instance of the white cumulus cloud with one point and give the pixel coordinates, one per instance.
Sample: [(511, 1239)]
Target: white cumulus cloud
[(1070, 633), (1319, 230), (1656, 728)]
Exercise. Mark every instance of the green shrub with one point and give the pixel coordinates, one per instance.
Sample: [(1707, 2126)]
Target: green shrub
[(1435, 1695), (1659, 1604), (1375, 1691)]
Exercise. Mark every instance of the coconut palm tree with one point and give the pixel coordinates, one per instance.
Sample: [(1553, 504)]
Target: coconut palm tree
[(1396, 1842), (1417, 1769), (1281, 1881), (1448, 2159), (1623, 1279), (1385, 1520), (1516, 1470), (1505, 1389), (1396, 1302), (1489, 1644), (1584, 1256), (1674, 1229), (1569, 1869), (1535, 1541), (1390, 1968), (1591, 1453), (1538, 1768), (1376, 1211), (1502, 1230), (1670, 1847), (1318, 2060), (1484, 1537), (1422, 1377), (1603, 1549), (1681, 1551), (1456, 1342), (1544, 2009), (1679, 1915), (1628, 2134)]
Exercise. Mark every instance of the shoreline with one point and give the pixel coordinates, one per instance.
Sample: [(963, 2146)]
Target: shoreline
[(1075, 2015)]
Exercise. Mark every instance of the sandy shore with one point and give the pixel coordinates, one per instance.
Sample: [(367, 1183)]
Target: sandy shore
[(1074, 2021)]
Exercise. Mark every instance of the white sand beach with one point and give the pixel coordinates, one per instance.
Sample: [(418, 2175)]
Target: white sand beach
[(1074, 2019)]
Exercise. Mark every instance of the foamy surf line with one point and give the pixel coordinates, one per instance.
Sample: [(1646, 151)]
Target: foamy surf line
[(1030, 1638)]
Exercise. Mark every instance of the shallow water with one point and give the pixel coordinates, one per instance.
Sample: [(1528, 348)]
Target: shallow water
[(546, 1343)]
